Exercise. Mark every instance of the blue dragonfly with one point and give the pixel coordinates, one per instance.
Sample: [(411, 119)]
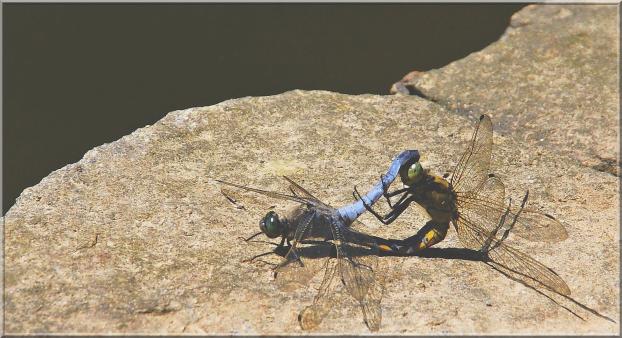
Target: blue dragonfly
[(313, 222)]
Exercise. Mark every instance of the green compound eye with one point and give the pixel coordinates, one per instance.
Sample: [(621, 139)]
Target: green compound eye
[(414, 173), (271, 225)]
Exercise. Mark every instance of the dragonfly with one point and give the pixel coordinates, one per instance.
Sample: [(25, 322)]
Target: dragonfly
[(473, 201), (312, 221)]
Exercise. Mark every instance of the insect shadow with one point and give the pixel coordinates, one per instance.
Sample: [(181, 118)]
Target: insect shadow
[(474, 255), (325, 249)]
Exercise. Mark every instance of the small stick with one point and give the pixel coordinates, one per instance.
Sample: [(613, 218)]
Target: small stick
[(232, 200)]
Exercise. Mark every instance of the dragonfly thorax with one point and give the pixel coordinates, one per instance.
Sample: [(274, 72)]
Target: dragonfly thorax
[(299, 216), (435, 195)]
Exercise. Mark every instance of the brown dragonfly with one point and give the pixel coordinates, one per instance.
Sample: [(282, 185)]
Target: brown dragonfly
[(473, 201)]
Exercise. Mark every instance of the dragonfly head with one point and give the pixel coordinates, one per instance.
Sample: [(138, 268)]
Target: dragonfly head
[(271, 225), (411, 172)]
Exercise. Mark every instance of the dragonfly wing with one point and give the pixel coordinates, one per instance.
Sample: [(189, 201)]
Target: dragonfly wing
[(520, 266), (474, 165), (513, 263), (358, 265), (300, 191), (292, 270), (485, 206), (311, 316), (371, 307), (536, 226), (272, 194)]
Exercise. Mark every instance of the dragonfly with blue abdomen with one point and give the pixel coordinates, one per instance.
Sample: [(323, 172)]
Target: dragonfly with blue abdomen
[(473, 201), (314, 222)]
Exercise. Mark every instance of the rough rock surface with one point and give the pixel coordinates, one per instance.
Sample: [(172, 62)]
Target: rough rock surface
[(137, 237), (551, 80)]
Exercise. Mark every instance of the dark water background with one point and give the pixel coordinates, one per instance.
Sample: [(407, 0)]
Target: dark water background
[(79, 75)]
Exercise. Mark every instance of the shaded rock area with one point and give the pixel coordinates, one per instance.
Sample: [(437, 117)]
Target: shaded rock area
[(551, 80), (138, 238)]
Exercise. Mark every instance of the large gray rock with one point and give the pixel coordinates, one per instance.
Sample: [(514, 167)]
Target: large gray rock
[(137, 237), (551, 80)]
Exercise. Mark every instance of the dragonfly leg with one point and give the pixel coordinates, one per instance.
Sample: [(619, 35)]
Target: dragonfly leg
[(278, 246), (397, 192), (385, 191), (388, 195), (259, 241), (398, 209), (251, 237), (267, 242), (357, 196), (404, 193), (394, 193), (392, 215), (249, 260)]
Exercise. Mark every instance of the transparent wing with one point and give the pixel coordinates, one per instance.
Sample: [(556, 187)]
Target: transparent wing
[(311, 316), (536, 226), (292, 272), (356, 262), (273, 194), (484, 206), (358, 265), (371, 306), (515, 264), (300, 191), (474, 165)]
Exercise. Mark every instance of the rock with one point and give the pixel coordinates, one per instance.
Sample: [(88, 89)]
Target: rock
[(551, 80), (137, 237)]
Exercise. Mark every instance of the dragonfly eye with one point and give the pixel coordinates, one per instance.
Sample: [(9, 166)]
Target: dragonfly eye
[(414, 174), (271, 225)]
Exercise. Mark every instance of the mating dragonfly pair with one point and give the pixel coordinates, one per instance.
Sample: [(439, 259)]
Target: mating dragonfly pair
[(473, 201)]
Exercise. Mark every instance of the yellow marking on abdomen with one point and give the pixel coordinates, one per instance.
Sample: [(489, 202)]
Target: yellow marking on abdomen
[(431, 237), (385, 247)]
